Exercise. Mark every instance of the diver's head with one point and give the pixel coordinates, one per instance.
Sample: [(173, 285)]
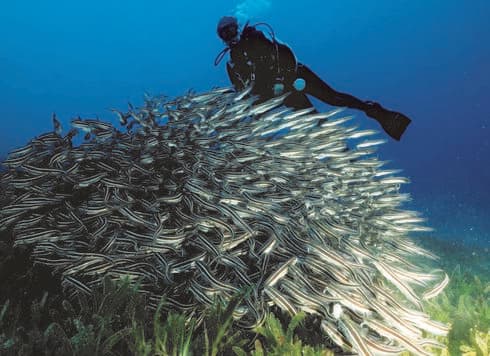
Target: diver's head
[(228, 29)]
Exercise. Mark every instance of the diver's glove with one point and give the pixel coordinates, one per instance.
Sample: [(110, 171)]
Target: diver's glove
[(392, 122)]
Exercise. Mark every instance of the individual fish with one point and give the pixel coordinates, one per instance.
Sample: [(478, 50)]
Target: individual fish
[(371, 143), (281, 301), (393, 278), (123, 117), (437, 289), (56, 124), (280, 272), (385, 331), (353, 335)]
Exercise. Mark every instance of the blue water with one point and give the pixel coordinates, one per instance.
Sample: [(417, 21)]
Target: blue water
[(431, 62)]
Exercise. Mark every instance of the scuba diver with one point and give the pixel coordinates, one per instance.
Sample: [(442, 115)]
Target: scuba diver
[(271, 67)]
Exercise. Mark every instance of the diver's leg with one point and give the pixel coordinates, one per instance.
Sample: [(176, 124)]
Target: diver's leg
[(392, 122), (319, 89)]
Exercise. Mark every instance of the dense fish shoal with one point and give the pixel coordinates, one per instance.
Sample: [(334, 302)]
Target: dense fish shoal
[(208, 194)]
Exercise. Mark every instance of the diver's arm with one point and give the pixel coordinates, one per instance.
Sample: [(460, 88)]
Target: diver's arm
[(234, 77)]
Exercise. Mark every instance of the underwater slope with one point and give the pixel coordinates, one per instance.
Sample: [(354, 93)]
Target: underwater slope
[(194, 199)]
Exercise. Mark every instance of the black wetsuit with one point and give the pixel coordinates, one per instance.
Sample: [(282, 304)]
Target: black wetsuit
[(255, 58)]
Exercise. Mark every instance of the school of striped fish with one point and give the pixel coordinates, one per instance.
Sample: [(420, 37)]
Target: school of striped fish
[(204, 195)]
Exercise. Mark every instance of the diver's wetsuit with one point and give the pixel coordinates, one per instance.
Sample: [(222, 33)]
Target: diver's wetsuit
[(255, 58)]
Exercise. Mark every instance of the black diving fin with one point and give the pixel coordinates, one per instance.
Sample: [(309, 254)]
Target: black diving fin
[(392, 122)]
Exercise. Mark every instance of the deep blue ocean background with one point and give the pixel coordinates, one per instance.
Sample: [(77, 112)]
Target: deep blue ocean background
[(429, 60)]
